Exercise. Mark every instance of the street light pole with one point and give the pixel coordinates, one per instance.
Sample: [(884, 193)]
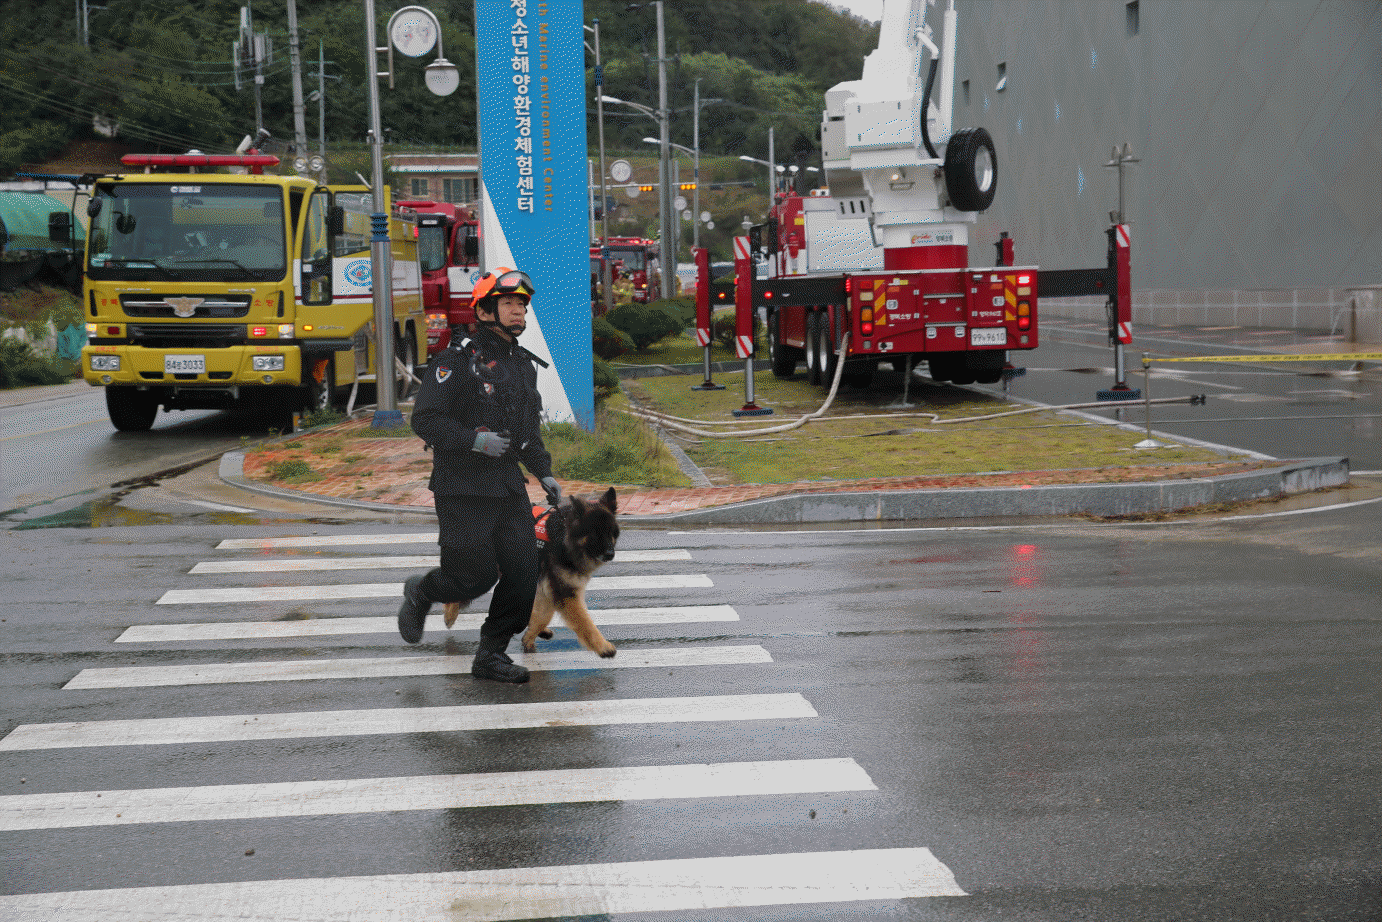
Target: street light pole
[(386, 414), (668, 258), (696, 169), (606, 284)]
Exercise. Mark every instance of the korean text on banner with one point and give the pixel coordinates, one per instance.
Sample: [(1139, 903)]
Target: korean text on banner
[(530, 66)]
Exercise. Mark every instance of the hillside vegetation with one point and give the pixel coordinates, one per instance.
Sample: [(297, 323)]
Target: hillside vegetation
[(161, 70)]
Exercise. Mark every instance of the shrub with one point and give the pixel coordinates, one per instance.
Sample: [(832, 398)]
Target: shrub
[(606, 380), (722, 327), (645, 323), (20, 366), (684, 309), (294, 470), (608, 341)]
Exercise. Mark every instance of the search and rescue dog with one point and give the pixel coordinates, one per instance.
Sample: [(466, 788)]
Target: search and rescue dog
[(580, 539)]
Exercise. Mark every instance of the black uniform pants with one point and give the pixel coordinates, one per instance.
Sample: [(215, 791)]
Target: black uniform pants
[(487, 542)]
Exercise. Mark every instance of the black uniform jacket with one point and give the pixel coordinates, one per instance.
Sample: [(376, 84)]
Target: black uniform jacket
[(481, 382)]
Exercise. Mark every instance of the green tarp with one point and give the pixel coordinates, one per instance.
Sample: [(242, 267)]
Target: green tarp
[(24, 224)]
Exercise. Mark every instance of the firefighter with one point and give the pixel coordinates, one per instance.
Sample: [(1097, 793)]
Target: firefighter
[(479, 411)]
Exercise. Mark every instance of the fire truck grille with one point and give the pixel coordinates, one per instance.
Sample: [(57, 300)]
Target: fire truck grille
[(187, 335), (143, 305)]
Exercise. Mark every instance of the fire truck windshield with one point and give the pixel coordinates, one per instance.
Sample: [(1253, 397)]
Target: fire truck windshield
[(198, 231), (633, 260), (431, 247)]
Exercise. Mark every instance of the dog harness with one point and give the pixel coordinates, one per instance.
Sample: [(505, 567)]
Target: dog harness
[(541, 514)]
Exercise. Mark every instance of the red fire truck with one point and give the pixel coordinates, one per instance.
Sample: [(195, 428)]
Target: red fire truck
[(634, 258), (882, 255), (448, 249)]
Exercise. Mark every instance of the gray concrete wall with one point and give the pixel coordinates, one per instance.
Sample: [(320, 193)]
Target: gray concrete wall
[(1258, 124)]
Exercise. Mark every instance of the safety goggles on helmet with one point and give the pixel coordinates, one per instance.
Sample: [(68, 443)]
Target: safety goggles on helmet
[(503, 281)]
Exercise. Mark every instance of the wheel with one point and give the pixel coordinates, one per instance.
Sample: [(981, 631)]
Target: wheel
[(971, 170), (783, 360), (130, 409), (940, 367), (321, 386), (828, 360), (813, 355), (409, 359)]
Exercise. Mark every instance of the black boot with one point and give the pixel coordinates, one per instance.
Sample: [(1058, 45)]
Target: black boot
[(414, 609), (491, 662)]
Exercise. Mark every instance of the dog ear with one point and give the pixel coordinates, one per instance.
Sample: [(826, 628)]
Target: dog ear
[(609, 501)]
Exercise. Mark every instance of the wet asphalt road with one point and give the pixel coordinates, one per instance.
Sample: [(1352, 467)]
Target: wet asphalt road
[(1079, 721), (1168, 721)]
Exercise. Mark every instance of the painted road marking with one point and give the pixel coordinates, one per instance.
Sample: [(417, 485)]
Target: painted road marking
[(428, 792), (384, 667), (390, 562), (378, 721), (319, 541), (330, 627), (395, 590), (522, 893)]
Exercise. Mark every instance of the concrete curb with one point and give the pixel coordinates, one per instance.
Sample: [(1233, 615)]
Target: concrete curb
[(1092, 499)]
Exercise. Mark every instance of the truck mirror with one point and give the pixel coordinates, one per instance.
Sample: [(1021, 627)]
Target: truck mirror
[(93, 206), (772, 236), (755, 240), (335, 221), (60, 227), (472, 248)]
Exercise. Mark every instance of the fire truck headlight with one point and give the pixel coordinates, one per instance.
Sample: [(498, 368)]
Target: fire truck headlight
[(268, 363), (105, 363)]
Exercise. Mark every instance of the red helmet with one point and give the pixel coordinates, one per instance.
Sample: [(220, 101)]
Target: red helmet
[(503, 281)]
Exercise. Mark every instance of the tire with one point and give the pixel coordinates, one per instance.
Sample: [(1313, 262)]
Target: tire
[(409, 359), (813, 355), (971, 170), (828, 360), (784, 360), (130, 409), (940, 368)]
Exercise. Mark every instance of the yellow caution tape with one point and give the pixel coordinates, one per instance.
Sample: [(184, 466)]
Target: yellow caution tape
[(1336, 357)]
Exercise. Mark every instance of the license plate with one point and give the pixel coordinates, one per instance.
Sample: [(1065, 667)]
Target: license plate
[(184, 364), (989, 336)]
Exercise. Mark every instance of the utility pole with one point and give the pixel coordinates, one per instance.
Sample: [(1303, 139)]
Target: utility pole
[(299, 118), (386, 414), (669, 254)]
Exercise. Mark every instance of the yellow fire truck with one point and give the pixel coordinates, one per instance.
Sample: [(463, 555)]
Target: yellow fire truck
[(209, 289)]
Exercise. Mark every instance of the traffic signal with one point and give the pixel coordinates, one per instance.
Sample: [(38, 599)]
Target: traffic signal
[(646, 188), (688, 187)]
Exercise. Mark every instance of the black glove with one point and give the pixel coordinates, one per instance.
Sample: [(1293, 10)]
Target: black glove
[(553, 490)]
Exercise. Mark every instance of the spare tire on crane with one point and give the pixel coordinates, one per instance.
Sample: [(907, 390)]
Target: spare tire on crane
[(971, 170)]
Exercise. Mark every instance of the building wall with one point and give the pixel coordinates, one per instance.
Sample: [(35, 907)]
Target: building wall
[(1258, 124)]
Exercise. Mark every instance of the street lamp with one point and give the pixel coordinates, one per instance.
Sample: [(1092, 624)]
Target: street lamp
[(665, 140), (606, 288), (664, 196), (773, 170)]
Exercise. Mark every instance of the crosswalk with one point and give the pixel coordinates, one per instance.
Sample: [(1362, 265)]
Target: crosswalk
[(257, 621)]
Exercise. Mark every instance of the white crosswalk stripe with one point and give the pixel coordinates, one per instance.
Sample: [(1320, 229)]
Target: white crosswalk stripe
[(388, 562), (520, 893), (167, 730), (383, 667), (427, 792), (388, 624), (395, 590), (719, 882)]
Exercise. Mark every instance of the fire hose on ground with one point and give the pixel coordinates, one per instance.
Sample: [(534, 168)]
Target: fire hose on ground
[(681, 424)]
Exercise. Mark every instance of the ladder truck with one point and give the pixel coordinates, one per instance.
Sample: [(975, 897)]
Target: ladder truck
[(881, 256)]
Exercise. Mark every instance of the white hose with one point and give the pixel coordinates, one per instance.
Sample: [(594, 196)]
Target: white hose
[(656, 417), (677, 422)]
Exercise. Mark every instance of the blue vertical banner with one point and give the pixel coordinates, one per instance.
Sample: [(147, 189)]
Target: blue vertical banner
[(530, 67)]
